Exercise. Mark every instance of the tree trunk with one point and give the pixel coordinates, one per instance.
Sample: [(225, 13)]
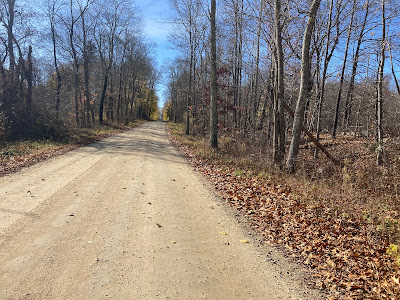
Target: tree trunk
[(240, 65), (257, 71), (328, 56), (53, 38), (103, 97), (213, 80), (194, 79), (279, 117), (30, 84), (76, 65), (10, 82), (10, 35), (379, 98), (313, 139), (176, 105), (86, 72), (393, 71), (237, 64), (119, 101), (111, 98), (76, 93), (133, 99), (267, 98), (189, 96), (234, 66), (346, 53), (304, 87), (349, 95)]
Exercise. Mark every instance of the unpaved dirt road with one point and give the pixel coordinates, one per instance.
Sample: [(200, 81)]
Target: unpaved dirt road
[(128, 218)]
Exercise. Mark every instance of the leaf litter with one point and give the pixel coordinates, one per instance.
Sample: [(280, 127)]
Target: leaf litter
[(346, 259)]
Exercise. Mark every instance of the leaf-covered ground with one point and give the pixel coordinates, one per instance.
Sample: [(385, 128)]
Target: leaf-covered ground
[(20, 154), (29, 155), (346, 258)]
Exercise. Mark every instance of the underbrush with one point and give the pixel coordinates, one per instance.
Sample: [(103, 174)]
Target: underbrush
[(361, 189), (341, 222)]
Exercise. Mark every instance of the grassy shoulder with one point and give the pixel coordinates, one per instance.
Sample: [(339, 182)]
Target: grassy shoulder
[(342, 223), (17, 154)]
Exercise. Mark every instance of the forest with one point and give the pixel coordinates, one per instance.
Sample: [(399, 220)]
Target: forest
[(305, 141), (73, 64), (332, 64)]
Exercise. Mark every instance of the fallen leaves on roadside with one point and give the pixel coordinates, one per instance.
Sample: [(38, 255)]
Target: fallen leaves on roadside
[(12, 164), (344, 256), (30, 153)]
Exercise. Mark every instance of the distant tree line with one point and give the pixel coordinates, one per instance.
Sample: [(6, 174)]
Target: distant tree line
[(73, 62), (287, 67)]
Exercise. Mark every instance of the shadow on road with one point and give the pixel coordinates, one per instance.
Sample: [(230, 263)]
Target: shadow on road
[(149, 140)]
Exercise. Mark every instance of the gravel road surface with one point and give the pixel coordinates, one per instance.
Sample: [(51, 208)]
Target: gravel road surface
[(128, 218)]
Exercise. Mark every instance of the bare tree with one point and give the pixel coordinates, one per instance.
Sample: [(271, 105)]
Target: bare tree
[(346, 54), (349, 95), (187, 32), (256, 85), (327, 58), (213, 80), (379, 94), (88, 109), (52, 9), (73, 19), (393, 70), (9, 81), (8, 23), (279, 118), (115, 18), (238, 8), (304, 86)]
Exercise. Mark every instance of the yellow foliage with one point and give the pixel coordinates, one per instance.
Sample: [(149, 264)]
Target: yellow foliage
[(393, 251), (147, 101), (166, 111)]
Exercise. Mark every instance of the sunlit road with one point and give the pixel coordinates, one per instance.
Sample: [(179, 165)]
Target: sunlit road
[(128, 218)]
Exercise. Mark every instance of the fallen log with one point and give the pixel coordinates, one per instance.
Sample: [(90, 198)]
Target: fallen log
[(336, 161)]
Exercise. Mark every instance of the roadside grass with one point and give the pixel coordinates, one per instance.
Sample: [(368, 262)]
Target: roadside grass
[(24, 152), (348, 219)]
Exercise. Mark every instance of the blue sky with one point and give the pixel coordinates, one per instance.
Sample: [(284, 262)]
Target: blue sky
[(156, 29)]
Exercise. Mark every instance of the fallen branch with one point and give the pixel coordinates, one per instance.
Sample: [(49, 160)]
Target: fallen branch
[(312, 138)]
